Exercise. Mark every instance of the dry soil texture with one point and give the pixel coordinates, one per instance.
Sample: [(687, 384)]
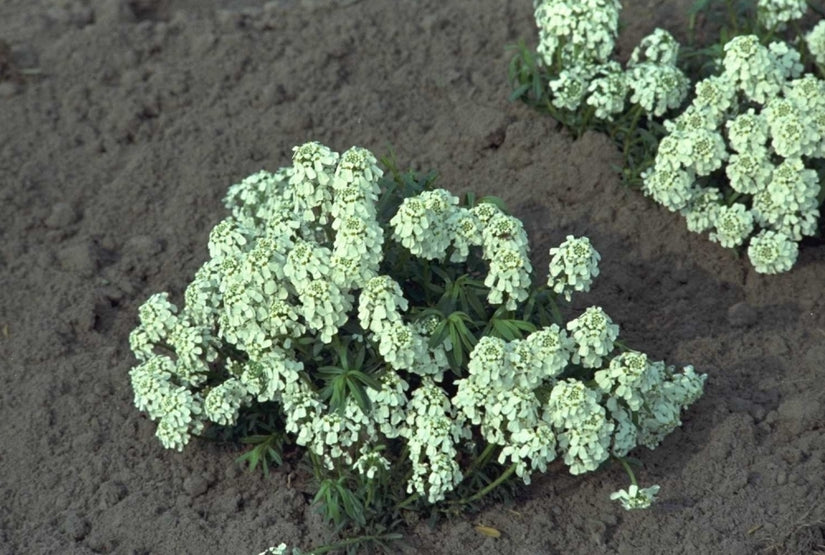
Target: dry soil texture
[(122, 123)]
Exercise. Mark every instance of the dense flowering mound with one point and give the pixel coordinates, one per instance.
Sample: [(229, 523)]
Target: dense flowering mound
[(736, 161), (576, 41), (742, 161), (395, 335)]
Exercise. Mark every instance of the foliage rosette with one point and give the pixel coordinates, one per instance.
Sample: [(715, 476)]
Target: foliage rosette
[(392, 335)]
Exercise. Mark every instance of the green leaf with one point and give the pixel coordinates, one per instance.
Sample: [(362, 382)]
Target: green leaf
[(360, 356), (523, 325), (502, 329), (518, 92), (476, 306), (366, 379), (442, 274), (360, 395), (439, 334), (329, 372)]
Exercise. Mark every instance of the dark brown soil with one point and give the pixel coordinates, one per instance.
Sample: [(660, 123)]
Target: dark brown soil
[(122, 123)]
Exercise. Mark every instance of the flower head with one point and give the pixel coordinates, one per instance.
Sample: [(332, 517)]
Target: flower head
[(573, 265), (635, 497), (771, 252), (593, 333)]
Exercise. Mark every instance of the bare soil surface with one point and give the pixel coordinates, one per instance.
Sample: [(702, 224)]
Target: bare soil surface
[(122, 123)]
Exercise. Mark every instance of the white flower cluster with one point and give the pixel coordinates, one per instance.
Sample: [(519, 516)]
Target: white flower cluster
[(573, 265), (634, 402), (815, 41), (655, 83), (576, 31), (776, 14), (286, 263), (433, 429), (422, 223), (761, 123), (635, 497), (576, 39), (505, 247), (283, 286), (594, 333)]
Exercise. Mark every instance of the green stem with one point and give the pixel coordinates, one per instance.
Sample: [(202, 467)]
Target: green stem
[(628, 470), (489, 487), (637, 113), (409, 500), (481, 460)]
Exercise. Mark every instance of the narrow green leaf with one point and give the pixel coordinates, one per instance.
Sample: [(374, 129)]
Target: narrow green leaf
[(366, 379), (502, 330), (329, 372), (360, 396), (524, 325), (518, 92), (454, 339), (439, 334), (360, 356)]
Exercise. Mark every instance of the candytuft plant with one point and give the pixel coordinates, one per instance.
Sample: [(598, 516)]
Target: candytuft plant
[(744, 159), (572, 76), (391, 337), (738, 161)]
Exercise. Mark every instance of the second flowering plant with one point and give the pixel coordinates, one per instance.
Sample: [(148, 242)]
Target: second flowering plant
[(392, 336)]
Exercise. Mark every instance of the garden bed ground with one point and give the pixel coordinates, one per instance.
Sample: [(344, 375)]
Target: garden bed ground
[(122, 123)]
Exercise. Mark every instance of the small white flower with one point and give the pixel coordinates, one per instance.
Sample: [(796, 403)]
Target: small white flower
[(324, 307), (749, 171), (157, 317), (397, 345), (772, 253), (705, 151), (775, 14), (466, 232), (552, 349), (380, 304), (593, 333), (489, 363), (307, 260), (691, 119), (700, 213), (659, 47), (672, 188), (314, 162), (573, 265), (226, 239), (223, 402), (627, 378), (747, 131), (657, 88), (752, 68), (358, 165), (815, 40), (508, 277), (371, 463), (733, 225), (179, 411), (716, 94), (570, 86), (607, 90), (576, 31), (635, 497)]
